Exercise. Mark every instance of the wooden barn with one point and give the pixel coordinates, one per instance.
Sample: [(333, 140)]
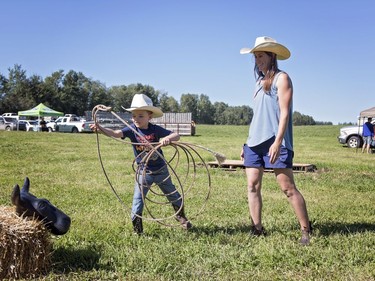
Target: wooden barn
[(180, 123)]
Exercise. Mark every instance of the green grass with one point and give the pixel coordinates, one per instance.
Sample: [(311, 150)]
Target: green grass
[(100, 245)]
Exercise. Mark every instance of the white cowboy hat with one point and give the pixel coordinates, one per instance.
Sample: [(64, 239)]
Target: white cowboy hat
[(268, 44), (143, 102)]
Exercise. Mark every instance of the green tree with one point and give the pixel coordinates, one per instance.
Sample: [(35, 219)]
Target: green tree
[(123, 95), (146, 90), (98, 94), (219, 109), (243, 115), (232, 115), (53, 88), (189, 103), (16, 93), (168, 104), (37, 89), (75, 93), (301, 119), (3, 92), (205, 109)]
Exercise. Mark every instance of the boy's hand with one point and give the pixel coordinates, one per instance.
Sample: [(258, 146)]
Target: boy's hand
[(93, 127), (165, 141), (169, 139)]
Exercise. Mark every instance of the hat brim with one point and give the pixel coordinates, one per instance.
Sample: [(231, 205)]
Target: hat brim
[(282, 52), (156, 112)]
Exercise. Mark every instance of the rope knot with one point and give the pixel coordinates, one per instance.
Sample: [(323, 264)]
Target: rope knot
[(99, 107)]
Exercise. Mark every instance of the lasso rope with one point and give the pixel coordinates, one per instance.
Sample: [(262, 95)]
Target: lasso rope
[(187, 149)]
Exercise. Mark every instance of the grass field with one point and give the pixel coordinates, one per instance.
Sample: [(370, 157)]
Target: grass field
[(100, 245)]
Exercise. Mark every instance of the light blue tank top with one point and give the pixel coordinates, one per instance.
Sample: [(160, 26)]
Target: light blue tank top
[(265, 122)]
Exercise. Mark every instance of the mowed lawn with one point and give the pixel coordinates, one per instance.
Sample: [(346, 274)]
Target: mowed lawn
[(100, 245)]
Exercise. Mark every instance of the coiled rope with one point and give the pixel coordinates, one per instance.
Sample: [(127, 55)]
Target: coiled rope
[(184, 184)]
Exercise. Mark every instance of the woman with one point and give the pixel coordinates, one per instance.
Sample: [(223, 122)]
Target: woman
[(270, 140)]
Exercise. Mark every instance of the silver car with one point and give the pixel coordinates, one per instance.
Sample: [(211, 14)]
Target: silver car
[(27, 125), (7, 126)]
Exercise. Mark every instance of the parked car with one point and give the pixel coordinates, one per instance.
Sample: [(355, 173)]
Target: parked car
[(14, 115), (352, 136), (86, 127), (12, 120), (7, 126), (27, 125), (113, 124), (70, 123)]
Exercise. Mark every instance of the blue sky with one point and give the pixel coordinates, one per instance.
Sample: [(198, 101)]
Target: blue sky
[(182, 47)]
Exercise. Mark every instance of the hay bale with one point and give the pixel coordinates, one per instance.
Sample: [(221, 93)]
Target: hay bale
[(25, 246)]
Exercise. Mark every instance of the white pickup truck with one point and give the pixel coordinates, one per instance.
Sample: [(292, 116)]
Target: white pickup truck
[(352, 135), (66, 124)]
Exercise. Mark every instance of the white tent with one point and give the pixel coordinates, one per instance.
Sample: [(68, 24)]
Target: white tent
[(367, 113)]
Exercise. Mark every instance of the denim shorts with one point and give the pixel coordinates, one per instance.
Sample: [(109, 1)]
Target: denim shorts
[(257, 156), (367, 140)]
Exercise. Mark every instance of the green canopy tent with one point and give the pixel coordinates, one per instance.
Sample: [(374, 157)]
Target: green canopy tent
[(40, 111)]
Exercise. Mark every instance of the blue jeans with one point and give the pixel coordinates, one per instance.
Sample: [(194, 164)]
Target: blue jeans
[(163, 180)]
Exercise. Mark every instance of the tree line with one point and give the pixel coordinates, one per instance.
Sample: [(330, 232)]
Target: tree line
[(73, 92)]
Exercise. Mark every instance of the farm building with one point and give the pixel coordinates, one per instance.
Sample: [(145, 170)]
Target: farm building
[(180, 123)]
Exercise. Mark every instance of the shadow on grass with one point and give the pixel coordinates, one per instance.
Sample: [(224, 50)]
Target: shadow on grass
[(319, 229), (343, 228), (214, 230), (66, 260)]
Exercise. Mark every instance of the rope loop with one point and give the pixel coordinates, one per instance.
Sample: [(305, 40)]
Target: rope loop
[(183, 162)]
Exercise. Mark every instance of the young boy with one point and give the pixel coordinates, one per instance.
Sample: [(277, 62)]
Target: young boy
[(156, 170)]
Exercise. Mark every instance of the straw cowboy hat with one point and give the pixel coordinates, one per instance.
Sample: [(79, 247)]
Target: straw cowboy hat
[(143, 102), (268, 44)]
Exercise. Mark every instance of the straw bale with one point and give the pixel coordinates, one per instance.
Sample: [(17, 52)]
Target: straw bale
[(25, 246)]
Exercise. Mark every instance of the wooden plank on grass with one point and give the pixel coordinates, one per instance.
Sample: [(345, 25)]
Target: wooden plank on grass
[(234, 164)]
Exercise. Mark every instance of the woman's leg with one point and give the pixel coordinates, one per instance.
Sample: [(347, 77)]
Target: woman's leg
[(286, 181), (254, 185)]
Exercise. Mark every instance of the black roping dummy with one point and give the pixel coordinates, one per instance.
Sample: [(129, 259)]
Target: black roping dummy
[(30, 206)]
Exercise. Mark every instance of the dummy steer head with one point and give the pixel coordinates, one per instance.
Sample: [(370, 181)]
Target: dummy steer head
[(30, 206)]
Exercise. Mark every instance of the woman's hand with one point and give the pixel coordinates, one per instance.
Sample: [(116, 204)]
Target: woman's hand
[(242, 154), (274, 152)]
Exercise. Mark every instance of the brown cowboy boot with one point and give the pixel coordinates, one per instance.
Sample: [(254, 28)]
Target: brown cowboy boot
[(180, 217), (137, 225)]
